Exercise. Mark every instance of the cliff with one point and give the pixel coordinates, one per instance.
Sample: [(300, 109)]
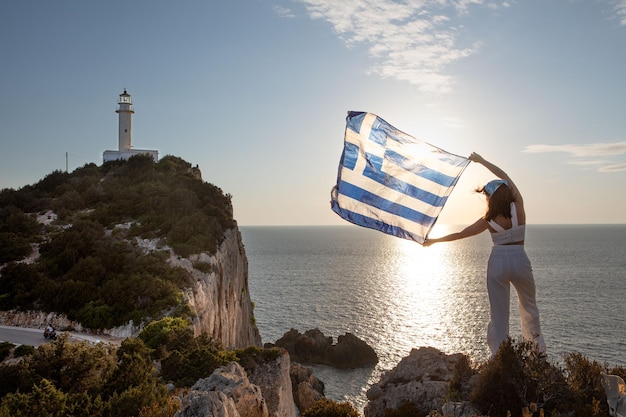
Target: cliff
[(220, 299), (108, 249)]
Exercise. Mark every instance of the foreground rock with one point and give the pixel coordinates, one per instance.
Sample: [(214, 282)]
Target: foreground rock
[(423, 379), (260, 390), (307, 389), (314, 347), (226, 393)]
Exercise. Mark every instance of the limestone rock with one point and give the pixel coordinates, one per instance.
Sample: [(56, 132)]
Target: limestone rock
[(615, 389), (314, 347), (226, 393), (422, 378), (208, 404), (220, 298), (275, 382), (459, 409), (307, 388)]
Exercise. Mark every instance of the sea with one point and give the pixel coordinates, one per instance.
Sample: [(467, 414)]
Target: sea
[(397, 295)]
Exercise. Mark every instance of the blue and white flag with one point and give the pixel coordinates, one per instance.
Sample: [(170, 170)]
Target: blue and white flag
[(391, 181)]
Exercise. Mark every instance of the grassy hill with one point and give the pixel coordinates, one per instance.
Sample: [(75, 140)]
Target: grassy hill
[(86, 226)]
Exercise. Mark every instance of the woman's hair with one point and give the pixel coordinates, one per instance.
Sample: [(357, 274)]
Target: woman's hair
[(499, 203)]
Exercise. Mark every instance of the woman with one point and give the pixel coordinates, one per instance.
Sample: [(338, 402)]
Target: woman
[(508, 263)]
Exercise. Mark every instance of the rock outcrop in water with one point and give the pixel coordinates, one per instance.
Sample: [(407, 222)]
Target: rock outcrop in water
[(314, 347)]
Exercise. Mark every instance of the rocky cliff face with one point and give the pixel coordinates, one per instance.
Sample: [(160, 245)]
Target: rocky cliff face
[(220, 298)]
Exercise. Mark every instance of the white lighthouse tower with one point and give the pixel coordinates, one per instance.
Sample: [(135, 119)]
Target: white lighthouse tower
[(125, 111), (125, 135)]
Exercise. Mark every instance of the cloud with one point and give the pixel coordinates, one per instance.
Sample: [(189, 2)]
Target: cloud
[(412, 41), (593, 149), (613, 168), (284, 12), (587, 163), (580, 152), (620, 9)]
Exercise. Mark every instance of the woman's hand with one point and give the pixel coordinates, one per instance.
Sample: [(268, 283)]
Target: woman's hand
[(474, 157), (428, 242)]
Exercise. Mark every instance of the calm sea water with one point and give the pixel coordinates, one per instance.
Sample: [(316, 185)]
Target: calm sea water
[(397, 295)]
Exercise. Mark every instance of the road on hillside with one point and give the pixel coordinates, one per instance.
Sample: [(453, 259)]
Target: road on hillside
[(34, 337), (22, 336)]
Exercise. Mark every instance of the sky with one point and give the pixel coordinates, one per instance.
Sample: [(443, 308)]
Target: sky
[(255, 92)]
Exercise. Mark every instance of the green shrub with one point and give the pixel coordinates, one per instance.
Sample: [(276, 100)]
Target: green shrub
[(23, 350), (518, 377), (252, 357), (187, 359), (159, 332), (5, 350)]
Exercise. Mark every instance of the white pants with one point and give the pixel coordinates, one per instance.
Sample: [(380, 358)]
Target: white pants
[(509, 264)]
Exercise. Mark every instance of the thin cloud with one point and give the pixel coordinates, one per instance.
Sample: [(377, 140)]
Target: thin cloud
[(620, 9), (587, 163), (593, 149), (284, 12), (580, 152), (411, 41), (613, 168)]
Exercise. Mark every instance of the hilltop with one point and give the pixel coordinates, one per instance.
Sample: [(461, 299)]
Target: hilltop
[(94, 244)]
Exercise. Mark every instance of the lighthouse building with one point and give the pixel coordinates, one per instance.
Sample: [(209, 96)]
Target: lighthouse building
[(125, 142)]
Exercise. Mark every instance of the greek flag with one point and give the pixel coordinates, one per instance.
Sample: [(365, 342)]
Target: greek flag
[(391, 181)]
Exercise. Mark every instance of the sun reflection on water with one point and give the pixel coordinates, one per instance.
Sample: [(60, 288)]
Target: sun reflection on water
[(433, 300)]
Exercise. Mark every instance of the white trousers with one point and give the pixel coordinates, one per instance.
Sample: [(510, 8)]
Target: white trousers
[(509, 264)]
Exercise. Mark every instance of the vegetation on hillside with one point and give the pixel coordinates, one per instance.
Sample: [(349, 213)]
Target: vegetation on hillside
[(90, 265), (82, 379), (65, 378)]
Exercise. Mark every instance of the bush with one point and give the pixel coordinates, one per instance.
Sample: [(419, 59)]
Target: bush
[(519, 378), (160, 332), (5, 350), (23, 350), (82, 380), (189, 359)]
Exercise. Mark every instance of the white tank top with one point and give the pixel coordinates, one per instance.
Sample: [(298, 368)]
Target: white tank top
[(503, 236)]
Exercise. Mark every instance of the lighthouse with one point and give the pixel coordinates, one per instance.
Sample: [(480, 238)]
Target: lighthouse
[(125, 111), (125, 134)]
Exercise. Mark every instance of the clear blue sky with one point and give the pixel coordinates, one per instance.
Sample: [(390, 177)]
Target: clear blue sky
[(256, 92)]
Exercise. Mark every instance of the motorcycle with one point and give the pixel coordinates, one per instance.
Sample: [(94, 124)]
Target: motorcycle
[(50, 334)]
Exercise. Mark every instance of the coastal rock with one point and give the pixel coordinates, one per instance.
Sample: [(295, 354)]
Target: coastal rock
[(275, 382), (226, 393), (459, 409), (422, 378), (220, 298), (314, 347), (615, 389), (307, 388)]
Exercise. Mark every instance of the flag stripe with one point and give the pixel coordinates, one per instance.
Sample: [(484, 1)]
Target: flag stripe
[(381, 203), (391, 181)]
